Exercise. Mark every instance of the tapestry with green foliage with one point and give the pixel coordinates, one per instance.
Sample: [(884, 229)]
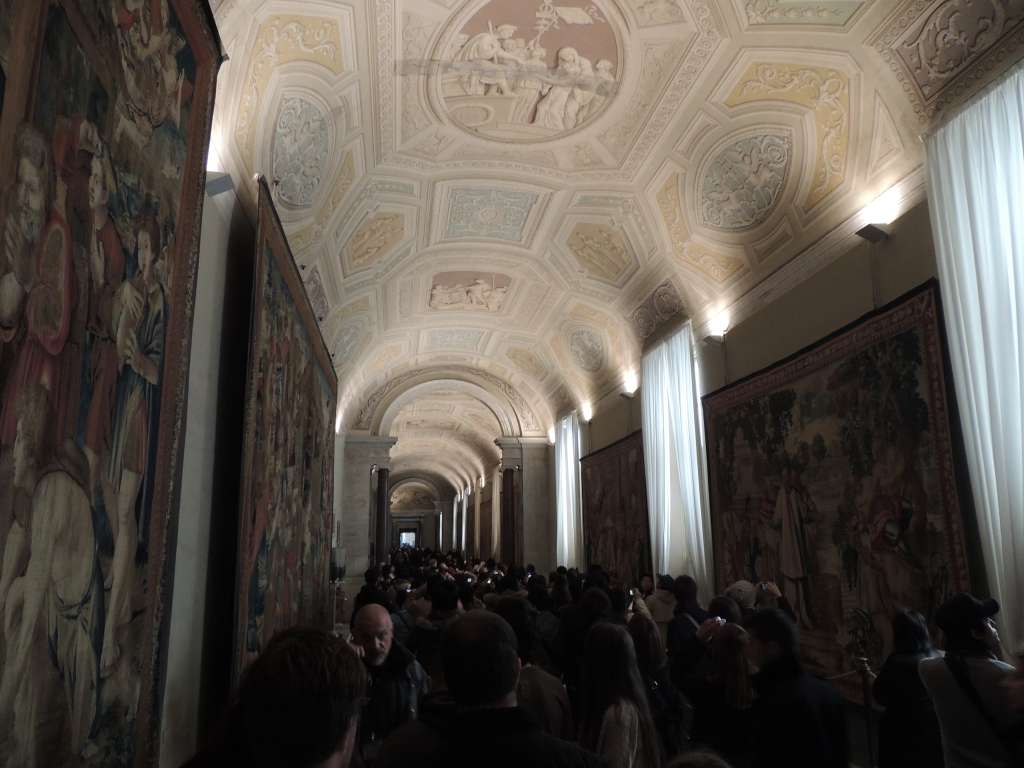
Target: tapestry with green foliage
[(832, 474)]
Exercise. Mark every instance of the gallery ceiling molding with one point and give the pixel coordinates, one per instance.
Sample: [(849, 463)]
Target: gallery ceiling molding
[(532, 191)]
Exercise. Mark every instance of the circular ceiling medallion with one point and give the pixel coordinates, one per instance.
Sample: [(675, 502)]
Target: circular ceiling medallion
[(530, 70), (587, 350)]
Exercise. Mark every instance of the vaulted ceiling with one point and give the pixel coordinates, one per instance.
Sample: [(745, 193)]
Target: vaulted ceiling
[(496, 203)]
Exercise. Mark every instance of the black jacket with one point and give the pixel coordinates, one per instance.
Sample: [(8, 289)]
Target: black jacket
[(719, 725), (798, 719), (497, 738), (393, 698), (908, 733)]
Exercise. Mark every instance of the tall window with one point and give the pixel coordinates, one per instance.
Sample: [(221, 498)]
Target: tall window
[(462, 527), (452, 540), (677, 496), (569, 536), (976, 196)]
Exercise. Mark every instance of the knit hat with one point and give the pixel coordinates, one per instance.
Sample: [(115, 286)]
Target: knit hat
[(743, 593)]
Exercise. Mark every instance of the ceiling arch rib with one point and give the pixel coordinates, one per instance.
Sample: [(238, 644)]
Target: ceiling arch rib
[(446, 483), (457, 467), (399, 481), (505, 418)]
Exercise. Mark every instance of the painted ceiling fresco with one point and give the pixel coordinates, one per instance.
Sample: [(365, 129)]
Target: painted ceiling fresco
[(513, 195)]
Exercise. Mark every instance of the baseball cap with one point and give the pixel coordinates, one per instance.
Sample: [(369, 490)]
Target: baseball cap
[(963, 610)]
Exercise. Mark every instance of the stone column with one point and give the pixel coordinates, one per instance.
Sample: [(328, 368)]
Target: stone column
[(358, 505), (510, 548), (382, 512), (527, 528), (538, 505), (475, 543)]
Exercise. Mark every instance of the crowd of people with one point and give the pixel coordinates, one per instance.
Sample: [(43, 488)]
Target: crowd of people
[(453, 663)]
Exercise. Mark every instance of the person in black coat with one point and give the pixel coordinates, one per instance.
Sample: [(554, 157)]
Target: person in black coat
[(797, 719), (397, 682), (722, 697), (480, 722), (908, 733)]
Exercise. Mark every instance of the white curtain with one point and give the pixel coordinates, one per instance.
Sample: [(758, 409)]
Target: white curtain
[(455, 525), (465, 511), (976, 196), (673, 434), (569, 530)]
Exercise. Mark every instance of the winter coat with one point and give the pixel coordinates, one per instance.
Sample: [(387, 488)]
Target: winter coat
[(908, 732), (798, 719), (395, 690)]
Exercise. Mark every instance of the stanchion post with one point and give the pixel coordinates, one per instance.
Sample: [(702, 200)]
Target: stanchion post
[(867, 677)]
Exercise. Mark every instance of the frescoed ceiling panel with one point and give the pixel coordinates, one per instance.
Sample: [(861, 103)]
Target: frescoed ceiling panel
[(533, 190)]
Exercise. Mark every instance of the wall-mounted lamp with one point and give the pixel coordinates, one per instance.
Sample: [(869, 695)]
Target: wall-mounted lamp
[(483, 482), (718, 326), (373, 469), (879, 214), (587, 411), (551, 435), (630, 383)]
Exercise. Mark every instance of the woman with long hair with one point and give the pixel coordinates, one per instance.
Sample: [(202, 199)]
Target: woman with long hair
[(616, 718), (722, 698), (668, 707), (908, 733)]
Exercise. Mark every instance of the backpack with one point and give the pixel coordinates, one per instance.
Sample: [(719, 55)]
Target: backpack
[(672, 716)]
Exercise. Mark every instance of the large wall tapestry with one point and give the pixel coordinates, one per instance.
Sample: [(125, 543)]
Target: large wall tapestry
[(105, 112), (616, 532), (288, 461), (833, 475)]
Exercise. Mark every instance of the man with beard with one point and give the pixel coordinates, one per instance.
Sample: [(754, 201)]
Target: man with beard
[(22, 229)]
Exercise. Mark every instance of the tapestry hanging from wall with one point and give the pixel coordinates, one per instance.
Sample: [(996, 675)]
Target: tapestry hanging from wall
[(288, 459), (616, 533), (834, 475), (105, 111)]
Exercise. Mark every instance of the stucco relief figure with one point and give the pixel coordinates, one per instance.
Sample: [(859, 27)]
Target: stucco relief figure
[(653, 12), (479, 295), (604, 75), (582, 95), (486, 59), (529, 86), (553, 110), (506, 87)]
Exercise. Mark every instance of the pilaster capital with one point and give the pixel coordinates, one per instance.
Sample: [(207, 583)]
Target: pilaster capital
[(370, 449)]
